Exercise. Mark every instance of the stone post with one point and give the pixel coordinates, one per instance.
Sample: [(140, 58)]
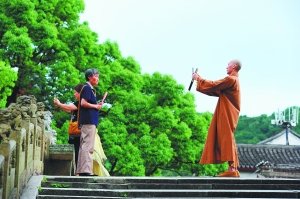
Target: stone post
[(28, 147), (1, 175), (20, 181), (8, 150)]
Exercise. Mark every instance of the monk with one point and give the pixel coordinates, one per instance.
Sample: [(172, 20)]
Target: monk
[(220, 145)]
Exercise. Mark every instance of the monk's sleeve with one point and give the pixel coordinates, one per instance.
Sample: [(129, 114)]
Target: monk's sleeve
[(214, 88)]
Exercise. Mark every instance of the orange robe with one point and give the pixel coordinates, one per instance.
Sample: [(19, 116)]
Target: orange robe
[(220, 145)]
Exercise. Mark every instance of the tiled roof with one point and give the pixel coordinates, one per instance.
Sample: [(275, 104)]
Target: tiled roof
[(252, 154)]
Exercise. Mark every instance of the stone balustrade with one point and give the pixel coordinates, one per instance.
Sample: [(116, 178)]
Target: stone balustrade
[(25, 138)]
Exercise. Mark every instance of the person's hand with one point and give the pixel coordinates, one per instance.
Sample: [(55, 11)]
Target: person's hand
[(99, 105), (56, 101)]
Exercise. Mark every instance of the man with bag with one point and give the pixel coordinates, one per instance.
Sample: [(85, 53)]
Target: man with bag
[(74, 134), (88, 121)]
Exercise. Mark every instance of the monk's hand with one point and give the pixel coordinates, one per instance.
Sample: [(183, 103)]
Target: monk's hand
[(196, 76)]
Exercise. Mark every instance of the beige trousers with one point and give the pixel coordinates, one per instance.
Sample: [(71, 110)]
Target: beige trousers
[(85, 155)]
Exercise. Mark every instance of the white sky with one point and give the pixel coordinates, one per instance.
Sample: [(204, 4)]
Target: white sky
[(172, 36)]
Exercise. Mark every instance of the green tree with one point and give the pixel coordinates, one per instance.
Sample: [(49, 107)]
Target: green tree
[(46, 43), (7, 82), (251, 130), (156, 115)]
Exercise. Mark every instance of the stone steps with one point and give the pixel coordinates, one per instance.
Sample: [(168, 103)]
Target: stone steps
[(167, 187), (172, 186)]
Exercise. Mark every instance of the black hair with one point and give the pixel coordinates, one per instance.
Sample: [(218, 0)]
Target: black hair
[(78, 87), (90, 72)]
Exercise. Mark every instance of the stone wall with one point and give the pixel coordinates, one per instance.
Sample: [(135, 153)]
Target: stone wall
[(24, 143)]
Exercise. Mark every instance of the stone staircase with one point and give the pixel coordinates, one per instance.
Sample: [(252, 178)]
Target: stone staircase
[(166, 187)]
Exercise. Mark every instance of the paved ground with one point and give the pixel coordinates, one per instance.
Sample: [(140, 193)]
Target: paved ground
[(31, 189)]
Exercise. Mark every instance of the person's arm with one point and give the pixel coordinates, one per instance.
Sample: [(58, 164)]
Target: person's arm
[(64, 107), (204, 88), (85, 104), (214, 88)]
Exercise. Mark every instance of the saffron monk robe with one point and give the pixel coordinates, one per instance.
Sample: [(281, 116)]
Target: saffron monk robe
[(220, 144)]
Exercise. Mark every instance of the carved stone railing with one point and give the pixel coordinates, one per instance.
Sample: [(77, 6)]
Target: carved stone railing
[(269, 170), (25, 138)]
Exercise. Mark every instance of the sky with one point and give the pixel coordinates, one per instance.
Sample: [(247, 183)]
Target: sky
[(173, 36)]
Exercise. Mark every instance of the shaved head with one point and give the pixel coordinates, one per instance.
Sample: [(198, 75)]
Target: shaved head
[(237, 64)]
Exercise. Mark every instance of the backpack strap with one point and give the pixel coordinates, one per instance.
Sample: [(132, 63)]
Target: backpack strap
[(78, 108)]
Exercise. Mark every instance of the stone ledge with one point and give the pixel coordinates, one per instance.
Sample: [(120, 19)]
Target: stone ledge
[(61, 152)]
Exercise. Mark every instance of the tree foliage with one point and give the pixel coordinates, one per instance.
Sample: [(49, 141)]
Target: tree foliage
[(48, 45), (7, 82), (251, 130), (158, 117)]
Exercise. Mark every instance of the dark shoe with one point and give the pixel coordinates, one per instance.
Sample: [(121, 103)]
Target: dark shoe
[(86, 174)]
